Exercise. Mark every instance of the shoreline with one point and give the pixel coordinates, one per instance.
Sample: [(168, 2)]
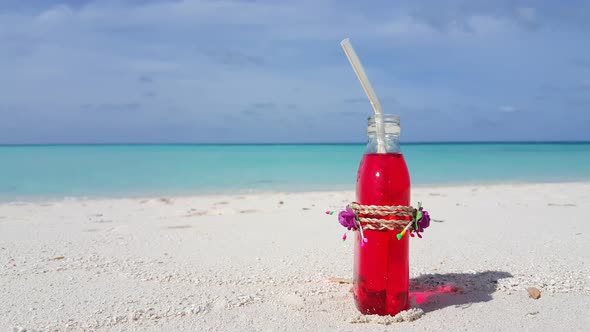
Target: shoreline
[(180, 195)]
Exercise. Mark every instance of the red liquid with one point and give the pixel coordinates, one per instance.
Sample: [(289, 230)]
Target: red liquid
[(381, 268)]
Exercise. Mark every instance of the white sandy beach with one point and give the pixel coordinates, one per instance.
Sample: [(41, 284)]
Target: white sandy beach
[(264, 262)]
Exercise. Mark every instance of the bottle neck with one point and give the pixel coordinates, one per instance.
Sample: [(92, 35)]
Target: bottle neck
[(390, 131), (391, 144)]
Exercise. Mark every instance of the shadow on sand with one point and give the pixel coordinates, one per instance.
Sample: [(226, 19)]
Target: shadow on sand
[(436, 291)]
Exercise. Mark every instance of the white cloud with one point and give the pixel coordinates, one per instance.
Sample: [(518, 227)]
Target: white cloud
[(508, 109), (527, 13), (406, 27), (456, 31), (56, 13), (487, 24)]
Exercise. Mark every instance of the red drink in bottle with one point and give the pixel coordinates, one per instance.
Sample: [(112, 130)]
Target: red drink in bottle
[(381, 267)]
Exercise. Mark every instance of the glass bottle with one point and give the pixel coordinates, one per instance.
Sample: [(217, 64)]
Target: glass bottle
[(381, 267)]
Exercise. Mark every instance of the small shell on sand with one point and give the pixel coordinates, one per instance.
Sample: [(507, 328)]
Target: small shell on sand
[(534, 293)]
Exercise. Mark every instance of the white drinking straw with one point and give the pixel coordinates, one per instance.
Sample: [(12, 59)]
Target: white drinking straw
[(355, 62)]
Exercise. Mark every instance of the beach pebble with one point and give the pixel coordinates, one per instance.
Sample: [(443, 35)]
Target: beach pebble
[(534, 293)]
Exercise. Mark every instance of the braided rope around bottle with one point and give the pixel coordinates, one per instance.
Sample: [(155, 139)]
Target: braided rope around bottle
[(367, 216), (406, 219)]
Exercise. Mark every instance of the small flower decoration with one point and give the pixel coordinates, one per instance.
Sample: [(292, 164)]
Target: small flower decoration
[(363, 241), (347, 218), (424, 222), (421, 221)]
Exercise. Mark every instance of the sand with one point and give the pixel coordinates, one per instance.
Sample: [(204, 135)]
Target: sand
[(266, 262)]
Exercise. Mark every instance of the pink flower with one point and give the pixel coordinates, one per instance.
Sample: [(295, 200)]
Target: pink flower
[(347, 219)]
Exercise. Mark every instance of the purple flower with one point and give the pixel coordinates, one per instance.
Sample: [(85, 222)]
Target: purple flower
[(424, 222), (347, 219)]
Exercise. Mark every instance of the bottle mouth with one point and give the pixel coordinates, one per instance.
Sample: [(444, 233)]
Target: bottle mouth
[(391, 124), (387, 118)]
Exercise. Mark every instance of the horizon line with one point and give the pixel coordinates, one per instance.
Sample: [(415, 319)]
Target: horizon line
[(292, 143)]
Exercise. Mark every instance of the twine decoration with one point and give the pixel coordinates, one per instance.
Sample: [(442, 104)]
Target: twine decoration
[(383, 218)]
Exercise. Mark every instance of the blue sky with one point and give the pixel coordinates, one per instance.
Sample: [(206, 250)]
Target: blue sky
[(273, 71)]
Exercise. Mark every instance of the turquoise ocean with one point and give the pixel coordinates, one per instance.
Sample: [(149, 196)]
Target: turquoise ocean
[(57, 171)]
